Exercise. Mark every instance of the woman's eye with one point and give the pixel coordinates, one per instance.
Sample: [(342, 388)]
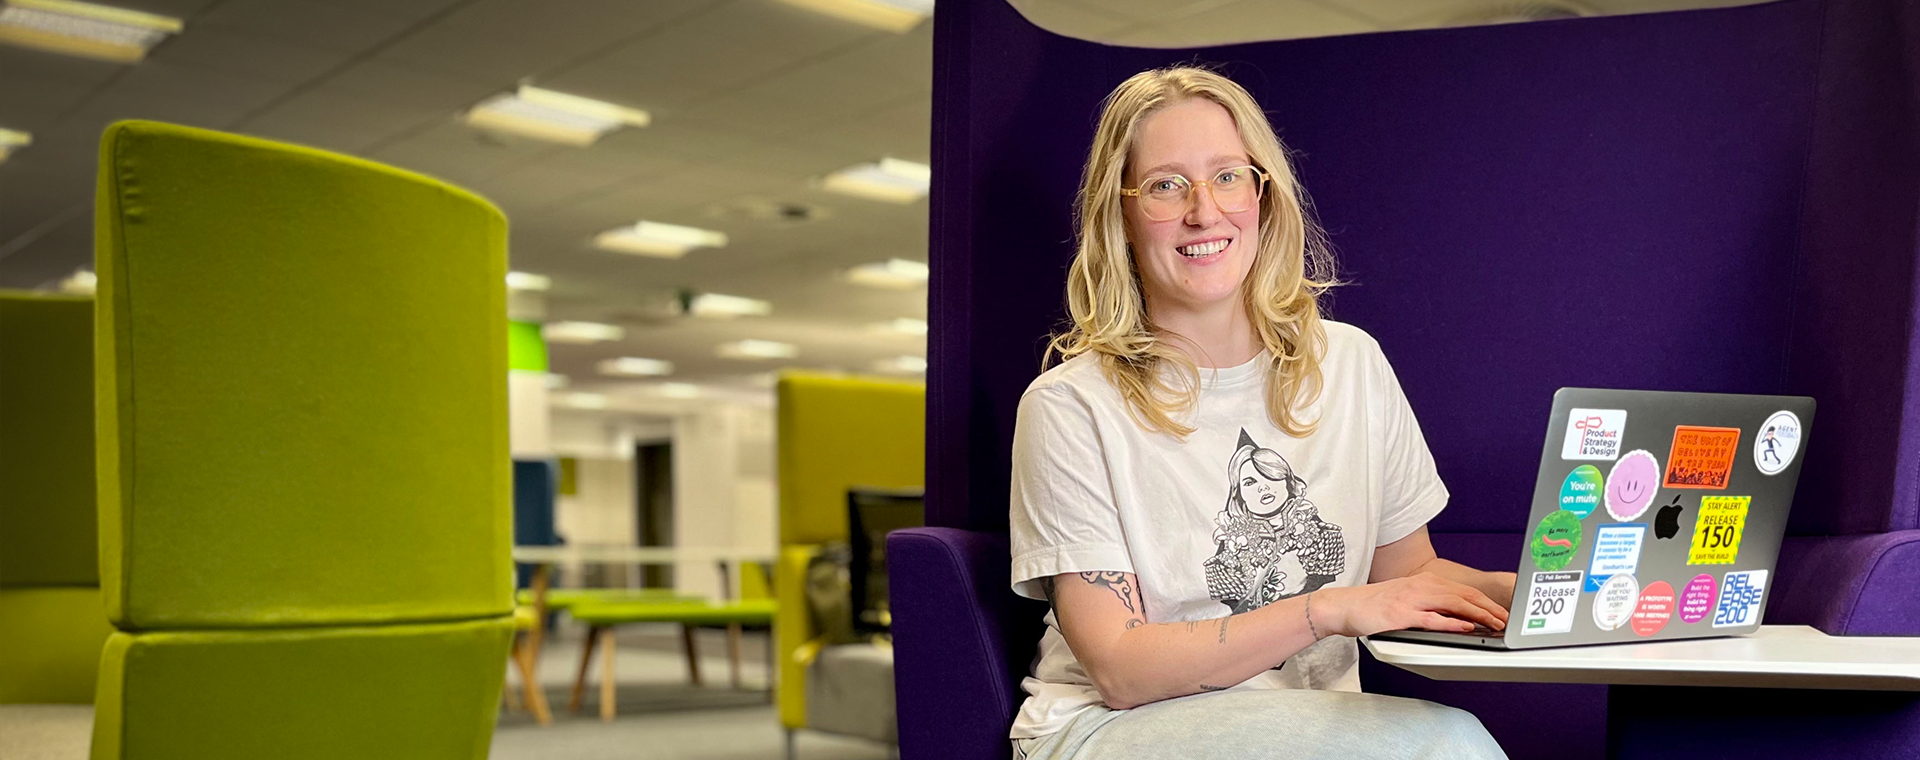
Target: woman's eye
[(1165, 186), (1227, 177)]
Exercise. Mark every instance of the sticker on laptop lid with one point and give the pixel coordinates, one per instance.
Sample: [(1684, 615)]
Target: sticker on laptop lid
[(1654, 609), (1632, 484), (1696, 600), (1716, 533), (1740, 596), (1594, 434), (1616, 550), (1580, 492), (1555, 540), (1777, 443), (1550, 602), (1701, 457), (1614, 604)]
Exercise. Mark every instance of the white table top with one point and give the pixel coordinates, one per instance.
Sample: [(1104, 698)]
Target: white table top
[(643, 555), (1777, 657)]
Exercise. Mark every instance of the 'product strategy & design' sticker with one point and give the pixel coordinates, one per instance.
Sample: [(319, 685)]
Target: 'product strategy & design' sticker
[(1594, 434)]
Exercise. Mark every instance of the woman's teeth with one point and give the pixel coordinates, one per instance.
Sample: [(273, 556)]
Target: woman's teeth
[(1198, 250)]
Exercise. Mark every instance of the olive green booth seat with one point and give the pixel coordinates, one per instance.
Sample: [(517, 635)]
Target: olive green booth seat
[(52, 623), (836, 433), (302, 454)]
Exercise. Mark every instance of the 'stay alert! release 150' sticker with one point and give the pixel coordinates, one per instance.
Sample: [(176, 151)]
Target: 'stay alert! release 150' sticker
[(1551, 601), (1716, 534)]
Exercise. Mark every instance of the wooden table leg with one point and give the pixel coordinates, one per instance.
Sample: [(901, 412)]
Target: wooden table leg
[(536, 694), (606, 676), (733, 652), (586, 658), (693, 654)]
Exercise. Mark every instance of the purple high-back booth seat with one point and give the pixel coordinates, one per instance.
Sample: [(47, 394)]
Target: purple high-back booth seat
[(1722, 200)]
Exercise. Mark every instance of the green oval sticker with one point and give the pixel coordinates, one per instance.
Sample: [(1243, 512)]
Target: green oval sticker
[(1556, 540)]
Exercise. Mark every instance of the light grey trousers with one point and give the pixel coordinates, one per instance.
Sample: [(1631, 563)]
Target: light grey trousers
[(1293, 724)]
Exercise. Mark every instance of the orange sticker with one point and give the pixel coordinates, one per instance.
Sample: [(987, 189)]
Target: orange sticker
[(1702, 457)]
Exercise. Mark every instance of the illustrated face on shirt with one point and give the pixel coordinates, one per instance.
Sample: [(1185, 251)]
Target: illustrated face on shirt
[(1264, 496)]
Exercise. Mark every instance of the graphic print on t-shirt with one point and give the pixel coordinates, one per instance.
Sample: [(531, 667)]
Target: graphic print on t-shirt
[(1270, 543)]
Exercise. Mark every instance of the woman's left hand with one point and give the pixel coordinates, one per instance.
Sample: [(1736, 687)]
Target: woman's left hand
[(1499, 587)]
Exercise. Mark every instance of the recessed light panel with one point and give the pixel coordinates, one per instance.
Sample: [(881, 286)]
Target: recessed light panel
[(581, 332), (757, 349), (717, 306), (903, 365), (634, 366), (889, 179), (902, 326), (892, 15), (893, 274), (553, 116), (11, 141), (666, 241), (83, 29), (525, 281)]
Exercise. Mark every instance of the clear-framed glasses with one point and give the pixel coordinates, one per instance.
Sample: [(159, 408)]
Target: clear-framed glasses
[(1168, 197)]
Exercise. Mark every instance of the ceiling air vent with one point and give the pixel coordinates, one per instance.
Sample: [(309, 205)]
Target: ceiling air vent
[(768, 212)]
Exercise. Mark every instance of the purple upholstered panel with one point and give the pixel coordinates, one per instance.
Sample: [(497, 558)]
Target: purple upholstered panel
[(1850, 585), (1648, 723), (961, 640), (1706, 200)]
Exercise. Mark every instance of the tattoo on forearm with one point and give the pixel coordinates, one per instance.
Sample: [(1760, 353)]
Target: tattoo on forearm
[(1193, 625), (1046, 589), (1223, 628), (1115, 582), (1211, 687), (1135, 623)]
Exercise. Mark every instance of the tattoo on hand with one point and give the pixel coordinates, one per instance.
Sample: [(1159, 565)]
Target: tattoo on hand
[(1223, 628), (1115, 582), (1211, 687)]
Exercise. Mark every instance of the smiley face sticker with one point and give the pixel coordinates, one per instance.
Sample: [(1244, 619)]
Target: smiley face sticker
[(1632, 484)]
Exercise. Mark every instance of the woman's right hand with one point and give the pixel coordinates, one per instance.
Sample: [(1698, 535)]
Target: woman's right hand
[(1422, 600)]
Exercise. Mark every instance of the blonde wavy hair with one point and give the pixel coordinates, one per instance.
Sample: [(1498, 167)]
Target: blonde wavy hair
[(1292, 266)]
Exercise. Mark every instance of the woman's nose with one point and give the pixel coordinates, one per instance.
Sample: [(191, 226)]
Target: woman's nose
[(1201, 210)]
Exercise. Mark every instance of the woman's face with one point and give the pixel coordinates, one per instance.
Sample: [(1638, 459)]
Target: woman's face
[(1199, 258), (1263, 496)]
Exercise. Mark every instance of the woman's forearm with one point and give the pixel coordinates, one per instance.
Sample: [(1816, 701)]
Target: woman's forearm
[(1155, 661)]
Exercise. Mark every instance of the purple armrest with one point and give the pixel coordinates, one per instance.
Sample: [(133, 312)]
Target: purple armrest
[(961, 640), (1860, 585)]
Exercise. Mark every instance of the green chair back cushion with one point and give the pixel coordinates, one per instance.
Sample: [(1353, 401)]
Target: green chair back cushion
[(392, 691), (47, 533), (836, 433), (50, 641), (302, 369)]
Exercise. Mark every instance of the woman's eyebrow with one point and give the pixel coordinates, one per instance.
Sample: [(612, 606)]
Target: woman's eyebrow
[(1222, 160)]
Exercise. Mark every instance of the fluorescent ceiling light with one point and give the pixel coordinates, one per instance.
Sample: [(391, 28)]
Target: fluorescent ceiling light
[(889, 179), (525, 281), (897, 274), (667, 241), (11, 141), (905, 365), (584, 400), (582, 332), (678, 390), (553, 116), (83, 29), (83, 282), (636, 366), (903, 326), (892, 15), (758, 349), (557, 381), (716, 306)]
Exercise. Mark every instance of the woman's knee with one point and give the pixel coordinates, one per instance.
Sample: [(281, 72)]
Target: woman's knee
[(1465, 735)]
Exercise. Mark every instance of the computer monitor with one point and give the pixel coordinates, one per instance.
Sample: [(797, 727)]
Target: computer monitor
[(872, 513)]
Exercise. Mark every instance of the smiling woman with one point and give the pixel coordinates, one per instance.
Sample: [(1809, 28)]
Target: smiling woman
[(1197, 346)]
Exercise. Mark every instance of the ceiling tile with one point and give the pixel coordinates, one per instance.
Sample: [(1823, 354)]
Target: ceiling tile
[(335, 121), (313, 22), (248, 55)]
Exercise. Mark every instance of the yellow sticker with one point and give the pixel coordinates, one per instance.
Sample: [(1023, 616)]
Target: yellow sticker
[(1716, 535)]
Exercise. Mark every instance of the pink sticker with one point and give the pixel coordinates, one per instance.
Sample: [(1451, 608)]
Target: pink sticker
[(1654, 610), (1697, 599)]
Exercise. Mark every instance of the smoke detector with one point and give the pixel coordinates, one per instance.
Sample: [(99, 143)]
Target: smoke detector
[(768, 212)]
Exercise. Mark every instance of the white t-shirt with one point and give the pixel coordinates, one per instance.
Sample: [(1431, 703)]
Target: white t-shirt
[(1237, 516)]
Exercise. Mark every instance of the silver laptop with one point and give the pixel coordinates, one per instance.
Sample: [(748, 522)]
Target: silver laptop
[(1655, 516)]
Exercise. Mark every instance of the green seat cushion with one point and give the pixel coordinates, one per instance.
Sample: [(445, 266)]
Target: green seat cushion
[(47, 535), (563, 598), (302, 368), (396, 691), (746, 612), (50, 640)]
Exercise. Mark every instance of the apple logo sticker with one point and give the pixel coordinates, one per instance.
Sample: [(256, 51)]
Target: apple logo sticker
[(1667, 523), (1632, 484)]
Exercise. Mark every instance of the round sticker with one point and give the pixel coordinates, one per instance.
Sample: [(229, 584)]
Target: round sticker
[(1613, 605), (1696, 600), (1778, 441), (1556, 540), (1632, 484), (1581, 491), (1654, 609)]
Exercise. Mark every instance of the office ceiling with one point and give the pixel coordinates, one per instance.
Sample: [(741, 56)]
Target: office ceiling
[(752, 101)]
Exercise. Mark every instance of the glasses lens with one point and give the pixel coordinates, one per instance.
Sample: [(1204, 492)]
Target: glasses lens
[(1163, 198), (1237, 189)]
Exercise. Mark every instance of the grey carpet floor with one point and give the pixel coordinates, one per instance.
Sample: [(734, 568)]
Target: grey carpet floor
[(661, 714)]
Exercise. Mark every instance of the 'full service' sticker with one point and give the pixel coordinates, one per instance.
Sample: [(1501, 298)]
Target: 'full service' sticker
[(1550, 602), (1716, 534), (1594, 434), (1740, 596), (1701, 457)]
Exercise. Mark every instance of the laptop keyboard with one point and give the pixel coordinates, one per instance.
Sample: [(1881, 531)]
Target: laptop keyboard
[(1480, 631)]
